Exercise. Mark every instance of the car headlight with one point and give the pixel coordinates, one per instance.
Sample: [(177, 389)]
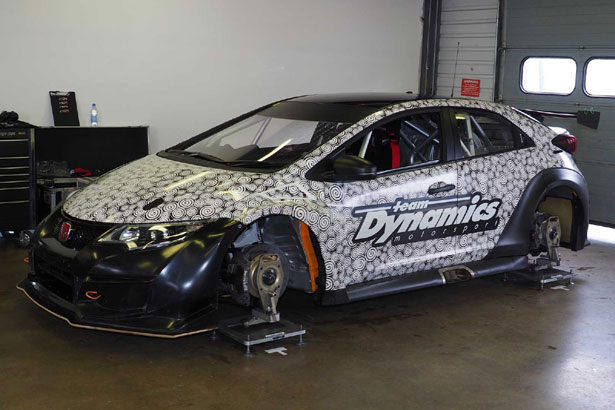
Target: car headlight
[(148, 236)]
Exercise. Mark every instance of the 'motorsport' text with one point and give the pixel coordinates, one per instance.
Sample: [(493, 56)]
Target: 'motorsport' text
[(406, 221)]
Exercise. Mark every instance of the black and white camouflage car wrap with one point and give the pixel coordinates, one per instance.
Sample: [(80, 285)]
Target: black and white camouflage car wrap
[(362, 227)]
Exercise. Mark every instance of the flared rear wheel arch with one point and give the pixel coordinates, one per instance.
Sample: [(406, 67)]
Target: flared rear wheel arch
[(515, 239), (564, 202)]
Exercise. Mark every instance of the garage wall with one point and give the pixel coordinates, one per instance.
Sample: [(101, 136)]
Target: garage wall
[(182, 67), (474, 25), (581, 31)]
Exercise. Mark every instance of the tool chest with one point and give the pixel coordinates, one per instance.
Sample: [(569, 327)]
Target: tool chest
[(17, 179)]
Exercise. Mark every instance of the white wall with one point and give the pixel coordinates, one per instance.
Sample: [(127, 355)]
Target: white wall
[(184, 66)]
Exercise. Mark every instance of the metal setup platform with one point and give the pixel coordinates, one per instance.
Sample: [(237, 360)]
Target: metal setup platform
[(255, 334), (265, 278), (545, 276), (541, 269)]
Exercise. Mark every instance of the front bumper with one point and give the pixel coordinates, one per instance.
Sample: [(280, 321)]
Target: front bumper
[(165, 292)]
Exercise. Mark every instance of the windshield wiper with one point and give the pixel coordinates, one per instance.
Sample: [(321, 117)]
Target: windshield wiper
[(213, 158), (194, 154), (254, 163)]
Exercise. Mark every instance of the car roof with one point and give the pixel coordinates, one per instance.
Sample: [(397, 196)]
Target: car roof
[(348, 108), (363, 99)]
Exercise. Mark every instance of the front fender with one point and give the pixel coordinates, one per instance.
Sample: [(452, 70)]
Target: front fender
[(191, 276)]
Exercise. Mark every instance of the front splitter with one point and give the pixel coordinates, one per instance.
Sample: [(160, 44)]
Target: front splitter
[(44, 299)]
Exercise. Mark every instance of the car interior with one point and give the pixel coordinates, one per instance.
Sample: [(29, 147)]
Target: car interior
[(406, 142), (482, 134)]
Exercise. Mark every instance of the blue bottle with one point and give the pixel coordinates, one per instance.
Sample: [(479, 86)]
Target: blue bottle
[(94, 116)]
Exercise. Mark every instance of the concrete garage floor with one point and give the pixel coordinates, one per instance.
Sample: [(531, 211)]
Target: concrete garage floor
[(481, 344)]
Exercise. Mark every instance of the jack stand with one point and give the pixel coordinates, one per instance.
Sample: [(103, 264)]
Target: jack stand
[(258, 317)]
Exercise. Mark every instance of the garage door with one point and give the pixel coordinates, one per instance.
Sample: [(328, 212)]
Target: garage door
[(468, 34), (560, 56)]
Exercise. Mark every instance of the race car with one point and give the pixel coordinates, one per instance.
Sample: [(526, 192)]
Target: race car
[(345, 196)]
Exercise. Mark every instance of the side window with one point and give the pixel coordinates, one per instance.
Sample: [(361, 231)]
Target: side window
[(483, 133), (405, 142), (524, 140)]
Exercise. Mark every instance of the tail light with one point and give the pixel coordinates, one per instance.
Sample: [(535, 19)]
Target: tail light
[(565, 142)]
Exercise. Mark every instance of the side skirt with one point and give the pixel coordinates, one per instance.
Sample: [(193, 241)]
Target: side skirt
[(424, 279)]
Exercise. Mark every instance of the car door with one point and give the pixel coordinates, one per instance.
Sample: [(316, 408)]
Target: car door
[(491, 177), (392, 221)]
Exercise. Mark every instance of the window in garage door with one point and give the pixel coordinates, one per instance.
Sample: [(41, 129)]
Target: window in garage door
[(582, 31), (548, 75), (599, 79)]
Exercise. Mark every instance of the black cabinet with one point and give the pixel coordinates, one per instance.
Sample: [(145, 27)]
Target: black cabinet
[(98, 149), (17, 179), (95, 149)]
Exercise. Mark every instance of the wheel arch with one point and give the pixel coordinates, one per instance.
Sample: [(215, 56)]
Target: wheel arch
[(561, 183), (298, 242)]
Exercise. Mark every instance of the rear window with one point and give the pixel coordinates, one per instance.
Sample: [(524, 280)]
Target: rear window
[(548, 75), (599, 78)]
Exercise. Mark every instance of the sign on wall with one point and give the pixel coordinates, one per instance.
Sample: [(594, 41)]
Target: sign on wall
[(470, 87)]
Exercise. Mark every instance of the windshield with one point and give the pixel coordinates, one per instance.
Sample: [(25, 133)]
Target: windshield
[(263, 141)]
